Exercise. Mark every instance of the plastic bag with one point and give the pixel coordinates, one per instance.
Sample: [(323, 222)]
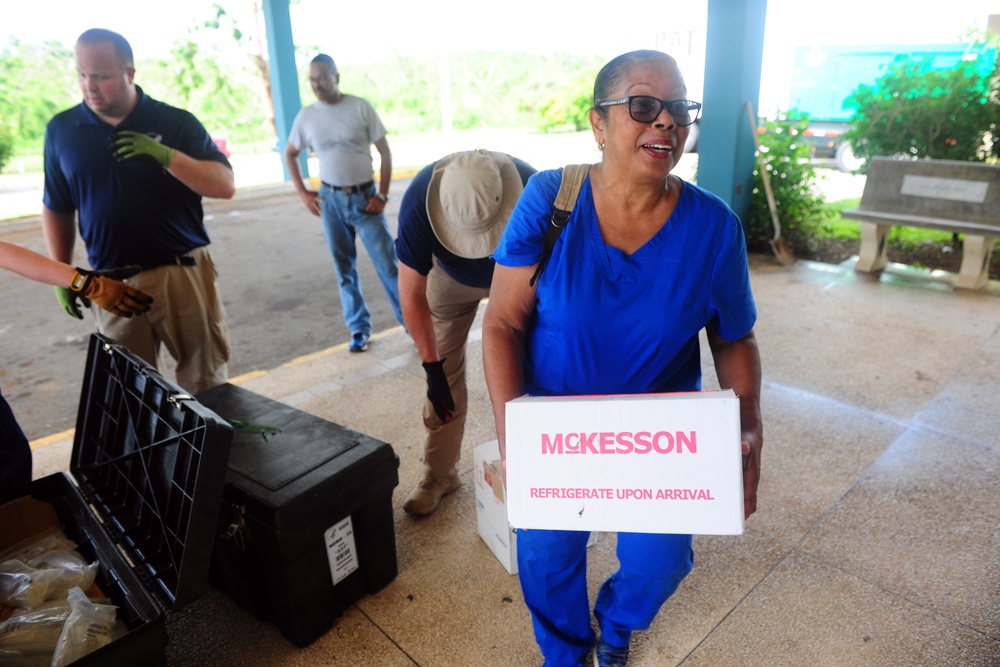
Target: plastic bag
[(73, 571), (29, 638), (87, 628), (25, 586)]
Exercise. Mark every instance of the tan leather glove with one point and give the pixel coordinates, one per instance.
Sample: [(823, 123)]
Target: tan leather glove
[(112, 295)]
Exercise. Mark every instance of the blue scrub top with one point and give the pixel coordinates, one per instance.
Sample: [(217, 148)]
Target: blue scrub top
[(611, 323)]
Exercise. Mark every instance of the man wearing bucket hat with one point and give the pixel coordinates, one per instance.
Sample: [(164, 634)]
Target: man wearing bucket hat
[(450, 222)]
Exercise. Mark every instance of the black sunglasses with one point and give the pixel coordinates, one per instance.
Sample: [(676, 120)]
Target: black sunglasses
[(646, 109)]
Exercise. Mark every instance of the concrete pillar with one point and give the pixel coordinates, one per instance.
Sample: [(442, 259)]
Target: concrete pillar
[(284, 76), (734, 46)]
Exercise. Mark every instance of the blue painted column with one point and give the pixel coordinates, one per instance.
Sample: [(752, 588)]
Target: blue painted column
[(734, 46), (284, 76)]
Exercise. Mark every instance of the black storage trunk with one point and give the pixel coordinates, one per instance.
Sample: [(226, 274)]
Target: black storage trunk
[(148, 466), (306, 527)]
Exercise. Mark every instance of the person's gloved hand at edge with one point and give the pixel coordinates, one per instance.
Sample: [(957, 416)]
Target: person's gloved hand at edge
[(104, 289), (438, 390), (127, 145)]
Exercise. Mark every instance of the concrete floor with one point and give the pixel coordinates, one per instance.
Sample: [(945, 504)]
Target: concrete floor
[(875, 541)]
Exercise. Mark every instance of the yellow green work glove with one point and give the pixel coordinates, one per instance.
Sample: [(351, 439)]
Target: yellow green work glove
[(127, 145), (112, 295), (68, 299)]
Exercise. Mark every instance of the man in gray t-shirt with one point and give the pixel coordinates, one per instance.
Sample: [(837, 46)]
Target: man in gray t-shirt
[(341, 130)]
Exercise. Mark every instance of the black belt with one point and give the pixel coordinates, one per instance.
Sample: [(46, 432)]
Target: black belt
[(350, 189), (179, 260)]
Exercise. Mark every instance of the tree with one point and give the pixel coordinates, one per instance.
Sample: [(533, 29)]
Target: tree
[(254, 44), (915, 111), (6, 144), (227, 100), (226, 84), (570, 109), (489, 90), (36, 82)]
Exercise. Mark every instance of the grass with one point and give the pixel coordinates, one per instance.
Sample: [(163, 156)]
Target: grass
[(830, 236), (838, 227)]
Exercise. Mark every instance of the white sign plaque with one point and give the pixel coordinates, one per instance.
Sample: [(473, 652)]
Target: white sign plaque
[(954, 189), (341, 550)]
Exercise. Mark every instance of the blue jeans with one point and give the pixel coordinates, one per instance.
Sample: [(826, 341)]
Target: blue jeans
[(552, 566), (344, 217)]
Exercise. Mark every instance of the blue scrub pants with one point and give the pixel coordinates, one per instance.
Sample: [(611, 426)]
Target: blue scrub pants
[(552, 565), (344, 218)]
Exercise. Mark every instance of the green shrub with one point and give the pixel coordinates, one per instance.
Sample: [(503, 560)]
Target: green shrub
[(6, 144), (793, 181), (916, 111), (568, 109)]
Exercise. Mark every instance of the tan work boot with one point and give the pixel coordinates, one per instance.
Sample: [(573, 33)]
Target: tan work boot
[(427, 496)]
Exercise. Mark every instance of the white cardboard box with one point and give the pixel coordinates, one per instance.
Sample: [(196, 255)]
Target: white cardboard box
[(491, 508), (650, 463)]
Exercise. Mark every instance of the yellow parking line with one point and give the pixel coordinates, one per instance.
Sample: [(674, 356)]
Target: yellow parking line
[(247, 376), (337, 348), (51, 439)]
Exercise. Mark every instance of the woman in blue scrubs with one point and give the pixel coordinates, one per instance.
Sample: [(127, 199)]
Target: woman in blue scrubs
[(645, 263)]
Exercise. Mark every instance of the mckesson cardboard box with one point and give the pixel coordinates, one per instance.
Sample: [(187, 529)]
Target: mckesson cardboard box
[(650, 463), (491, 507)]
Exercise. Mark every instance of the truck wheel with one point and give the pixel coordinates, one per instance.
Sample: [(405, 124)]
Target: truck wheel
[(846, 160)]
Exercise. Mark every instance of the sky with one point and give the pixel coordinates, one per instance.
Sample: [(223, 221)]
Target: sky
[(541, 26), (417, 28)]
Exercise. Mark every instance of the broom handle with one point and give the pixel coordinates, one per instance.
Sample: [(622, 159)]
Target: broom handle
[(772, 207)]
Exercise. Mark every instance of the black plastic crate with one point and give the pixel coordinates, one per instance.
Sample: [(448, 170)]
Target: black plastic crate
[(306, 526), (148, 466)]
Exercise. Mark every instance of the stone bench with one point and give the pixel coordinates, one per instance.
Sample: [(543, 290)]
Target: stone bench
[(948, 195)]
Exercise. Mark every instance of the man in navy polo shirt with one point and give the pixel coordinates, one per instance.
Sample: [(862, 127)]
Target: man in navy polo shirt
[(450, 222), (134, 171)]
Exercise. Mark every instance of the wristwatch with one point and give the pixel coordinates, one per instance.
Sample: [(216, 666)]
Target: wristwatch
[(383, 197)]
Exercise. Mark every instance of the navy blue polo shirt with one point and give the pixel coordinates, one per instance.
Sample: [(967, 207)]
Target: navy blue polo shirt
[(417, 245), (130, 212)]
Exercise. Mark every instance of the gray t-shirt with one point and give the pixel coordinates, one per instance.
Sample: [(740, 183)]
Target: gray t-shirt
[(342, 135)]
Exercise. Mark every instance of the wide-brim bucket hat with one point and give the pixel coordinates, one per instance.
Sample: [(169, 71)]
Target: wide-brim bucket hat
[(469, 200)]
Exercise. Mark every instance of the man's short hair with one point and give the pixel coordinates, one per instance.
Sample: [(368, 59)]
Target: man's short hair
[(122, 48), (324, 59)]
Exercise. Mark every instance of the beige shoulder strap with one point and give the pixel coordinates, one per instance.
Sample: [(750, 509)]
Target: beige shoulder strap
[(573, 176)]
